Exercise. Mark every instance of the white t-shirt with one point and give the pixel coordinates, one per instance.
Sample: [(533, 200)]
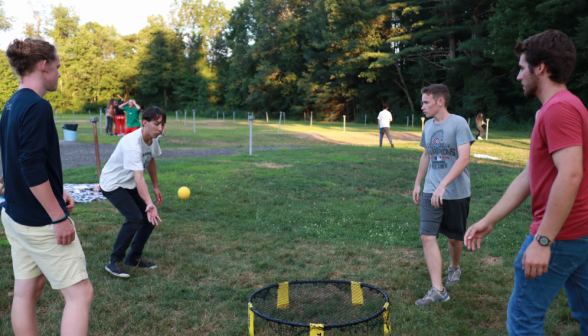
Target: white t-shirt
[(131, 153), (385, 117)]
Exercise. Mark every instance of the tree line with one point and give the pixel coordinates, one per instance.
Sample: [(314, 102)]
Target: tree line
[(340, 57)]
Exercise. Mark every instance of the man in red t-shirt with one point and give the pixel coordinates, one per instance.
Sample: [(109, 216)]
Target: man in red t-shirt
[(555, 254)]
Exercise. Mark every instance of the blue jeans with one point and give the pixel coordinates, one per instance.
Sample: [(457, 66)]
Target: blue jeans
[(137, 226), (530, 299)]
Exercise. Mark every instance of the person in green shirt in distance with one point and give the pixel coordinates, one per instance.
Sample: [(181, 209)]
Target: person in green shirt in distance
[(131, 109)]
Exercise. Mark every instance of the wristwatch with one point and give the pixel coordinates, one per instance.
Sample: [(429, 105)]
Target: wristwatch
[(544, 241)]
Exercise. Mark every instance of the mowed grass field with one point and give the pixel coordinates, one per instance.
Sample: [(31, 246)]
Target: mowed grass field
[(329, 211)]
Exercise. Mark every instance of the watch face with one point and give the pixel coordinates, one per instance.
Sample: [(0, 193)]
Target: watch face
[(543, 241)]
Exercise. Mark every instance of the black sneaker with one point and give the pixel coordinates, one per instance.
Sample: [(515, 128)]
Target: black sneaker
[(141, 263), (116, 269)]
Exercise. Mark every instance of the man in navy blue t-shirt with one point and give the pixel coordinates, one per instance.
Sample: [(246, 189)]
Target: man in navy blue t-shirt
[(35, 215)]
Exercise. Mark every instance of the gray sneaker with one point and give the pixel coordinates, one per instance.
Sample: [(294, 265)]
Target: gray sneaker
[(453, 276), (433, 296)]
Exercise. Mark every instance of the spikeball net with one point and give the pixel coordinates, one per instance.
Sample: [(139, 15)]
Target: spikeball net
[(319, 308)]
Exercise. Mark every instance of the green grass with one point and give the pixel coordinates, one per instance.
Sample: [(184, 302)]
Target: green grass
[(327, 212)]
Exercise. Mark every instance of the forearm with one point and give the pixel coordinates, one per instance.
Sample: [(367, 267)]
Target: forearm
[(152, 170), (44, 194), (515, 195), (142, 188), (458, 167), (561, 200)]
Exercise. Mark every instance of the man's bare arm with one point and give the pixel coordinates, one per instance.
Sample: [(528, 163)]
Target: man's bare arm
[(421, 173)]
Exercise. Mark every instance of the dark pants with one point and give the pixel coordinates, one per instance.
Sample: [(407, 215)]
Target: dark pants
[(109, 125), (385, 130), (137, 226)]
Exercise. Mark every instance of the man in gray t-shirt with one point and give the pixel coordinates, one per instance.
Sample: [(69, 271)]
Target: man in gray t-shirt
[(446, 197)]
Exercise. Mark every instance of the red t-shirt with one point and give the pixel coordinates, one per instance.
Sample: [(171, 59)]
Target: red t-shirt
[(562, 123)]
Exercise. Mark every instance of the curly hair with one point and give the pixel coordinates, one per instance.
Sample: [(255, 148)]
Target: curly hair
[(23, 55)]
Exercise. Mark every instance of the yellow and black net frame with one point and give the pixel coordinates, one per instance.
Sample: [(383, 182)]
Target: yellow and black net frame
[(283, 302)]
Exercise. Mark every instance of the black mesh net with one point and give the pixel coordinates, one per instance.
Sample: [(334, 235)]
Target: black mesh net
[(334, 304)]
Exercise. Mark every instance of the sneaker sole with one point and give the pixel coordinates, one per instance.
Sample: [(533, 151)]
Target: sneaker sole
[(152, 267), (446, 299), (117, 275)]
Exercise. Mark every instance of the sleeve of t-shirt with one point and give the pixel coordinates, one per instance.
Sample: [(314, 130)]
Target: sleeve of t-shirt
[(463, 134), (132, 157), (563, 127), (34, 125)]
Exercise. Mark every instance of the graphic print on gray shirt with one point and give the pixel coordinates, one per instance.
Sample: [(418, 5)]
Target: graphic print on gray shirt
[(441, 141)]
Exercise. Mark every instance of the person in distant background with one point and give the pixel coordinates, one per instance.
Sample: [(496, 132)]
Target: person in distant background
[(384, 119), (109, 116), (119, 119), (131, 109), (479, 123)]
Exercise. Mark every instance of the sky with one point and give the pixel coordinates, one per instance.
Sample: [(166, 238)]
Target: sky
[(127, 16)]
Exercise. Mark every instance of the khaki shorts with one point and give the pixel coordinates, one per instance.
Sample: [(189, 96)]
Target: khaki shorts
[(35, 251)]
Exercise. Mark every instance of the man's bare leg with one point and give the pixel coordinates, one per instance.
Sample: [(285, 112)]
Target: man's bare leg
[(76, 313), (433, 259), (24, 305), (455, 248)]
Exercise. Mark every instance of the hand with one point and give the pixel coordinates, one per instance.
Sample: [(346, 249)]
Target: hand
[(475, 233), (69, 201), (536, 260), (152, 215), (64, 232), (416, 194), (437, 198), (158, 196)]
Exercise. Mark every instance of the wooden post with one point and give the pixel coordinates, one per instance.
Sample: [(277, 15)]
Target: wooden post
[(266, 117), (487, 124), (94, 120), (310, 118), (422, 124), (344, 117)]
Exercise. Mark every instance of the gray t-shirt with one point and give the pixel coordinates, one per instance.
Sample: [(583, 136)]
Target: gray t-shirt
[(441, 140)]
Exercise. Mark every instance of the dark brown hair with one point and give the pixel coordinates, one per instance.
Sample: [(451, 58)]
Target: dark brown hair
[(480, 117), (153, 113), (438, 91), (23, 55), (385, 106), (110, 103), (552, 48)]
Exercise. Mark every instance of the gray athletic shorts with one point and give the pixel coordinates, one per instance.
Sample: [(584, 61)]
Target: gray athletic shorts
[(450, 219)]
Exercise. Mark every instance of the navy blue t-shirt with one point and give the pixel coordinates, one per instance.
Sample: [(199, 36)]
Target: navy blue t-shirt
[(30, 156)]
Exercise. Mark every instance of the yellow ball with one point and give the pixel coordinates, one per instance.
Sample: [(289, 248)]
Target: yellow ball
[(184, 192)]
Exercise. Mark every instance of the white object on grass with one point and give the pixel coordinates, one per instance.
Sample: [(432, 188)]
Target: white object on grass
[(487, 157)]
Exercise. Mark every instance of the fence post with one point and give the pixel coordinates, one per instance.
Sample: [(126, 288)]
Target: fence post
[(310, 118), (100, 110), (331, 118), (56, 114), (223, 116), (407, 119), (422, 124), (280, 122), (365, 121), (304, 116), (194, 120), (284, 118), (413, 121), (469, 125), (74, 115), (233, 117), (185, 116), (250, 133), (216, 115), (487, 125), (266, 117), (344, 123)]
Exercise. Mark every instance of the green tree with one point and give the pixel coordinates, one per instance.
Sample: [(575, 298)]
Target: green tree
[(8, 81)]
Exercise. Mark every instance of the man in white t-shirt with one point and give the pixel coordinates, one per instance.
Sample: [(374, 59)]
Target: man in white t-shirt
[(123, 184), (384, 119)]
